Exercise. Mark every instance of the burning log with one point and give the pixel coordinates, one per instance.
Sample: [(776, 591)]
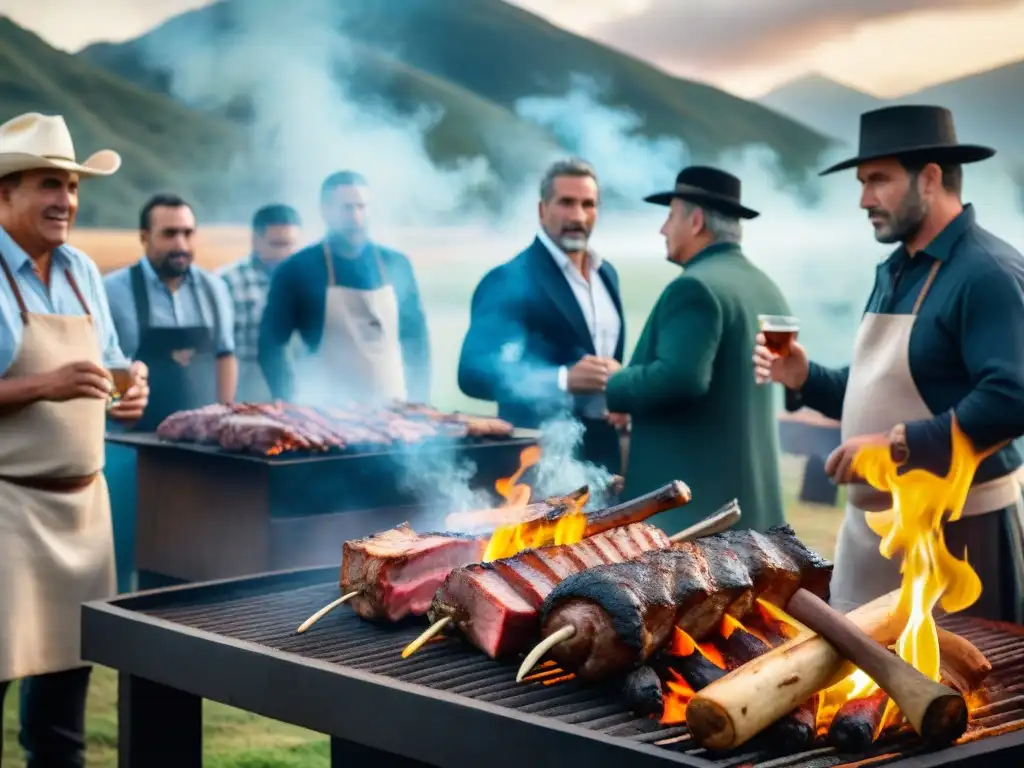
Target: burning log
[(857, 722), (642, 692)]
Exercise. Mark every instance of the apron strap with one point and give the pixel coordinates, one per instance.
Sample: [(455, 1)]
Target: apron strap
[(329, 262), (22, 307), (141, 296), (15, 289), (927, 286), (78, 293)]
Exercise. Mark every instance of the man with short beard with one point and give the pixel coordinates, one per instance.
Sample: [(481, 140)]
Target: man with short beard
[(57, 346), (173, 315), (942, 338), (546, 328)]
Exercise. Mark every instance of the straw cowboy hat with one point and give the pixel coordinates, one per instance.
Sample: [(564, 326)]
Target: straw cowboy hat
[(910, 132), (33, 141)]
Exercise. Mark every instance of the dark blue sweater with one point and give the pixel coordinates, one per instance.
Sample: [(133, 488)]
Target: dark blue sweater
[(966, 348)]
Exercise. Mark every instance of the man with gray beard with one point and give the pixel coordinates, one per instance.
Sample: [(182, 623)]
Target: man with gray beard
[(942, 338), (546, 328)]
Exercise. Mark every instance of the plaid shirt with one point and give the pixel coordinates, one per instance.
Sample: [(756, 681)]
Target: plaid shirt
[(248, 282)]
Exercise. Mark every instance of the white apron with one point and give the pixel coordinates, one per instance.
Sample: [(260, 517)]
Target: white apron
[(360, 355), (56, 537), (880, 393)]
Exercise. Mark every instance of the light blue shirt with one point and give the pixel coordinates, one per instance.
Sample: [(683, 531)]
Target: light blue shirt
[(60, 299), (172, 310)]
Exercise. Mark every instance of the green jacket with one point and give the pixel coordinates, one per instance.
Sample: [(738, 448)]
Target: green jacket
[(698, 416)]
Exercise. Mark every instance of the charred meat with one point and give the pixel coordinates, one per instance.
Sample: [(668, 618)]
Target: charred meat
[(623, 613), (495, 605)]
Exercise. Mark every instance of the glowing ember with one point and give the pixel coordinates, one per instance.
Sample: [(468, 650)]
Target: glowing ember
[(931, 574), (683, 645), (509, 540), (677, 696)]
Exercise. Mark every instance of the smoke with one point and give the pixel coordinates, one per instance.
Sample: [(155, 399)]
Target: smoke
[(559, 471), (306, 121)]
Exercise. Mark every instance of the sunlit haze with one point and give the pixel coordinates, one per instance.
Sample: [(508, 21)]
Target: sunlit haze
[(887, 48)]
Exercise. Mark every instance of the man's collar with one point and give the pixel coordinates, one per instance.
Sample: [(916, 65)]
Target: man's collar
[(560, 256), (17, 259), (942, 245), (710, 250)]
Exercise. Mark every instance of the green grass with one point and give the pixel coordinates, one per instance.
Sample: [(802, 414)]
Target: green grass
[(236, 739)]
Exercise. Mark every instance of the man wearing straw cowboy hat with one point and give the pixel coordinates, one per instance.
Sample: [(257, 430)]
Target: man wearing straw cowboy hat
[(942, 337), (57, 344)]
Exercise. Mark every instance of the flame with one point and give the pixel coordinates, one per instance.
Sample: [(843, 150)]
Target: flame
[(931, 574), (677, 696), (509, 488), (508, 540), (682, 645)]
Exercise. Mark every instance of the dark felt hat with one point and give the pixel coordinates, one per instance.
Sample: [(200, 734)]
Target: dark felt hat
[(912, 133), (708, 188)]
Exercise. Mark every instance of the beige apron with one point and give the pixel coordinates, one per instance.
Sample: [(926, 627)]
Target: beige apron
[(360, 355), (880, 393), (56, 538)]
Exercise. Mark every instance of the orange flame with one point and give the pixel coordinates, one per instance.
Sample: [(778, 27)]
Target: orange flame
[(509, 540), (931, 574), (677, 696), (682, 645)]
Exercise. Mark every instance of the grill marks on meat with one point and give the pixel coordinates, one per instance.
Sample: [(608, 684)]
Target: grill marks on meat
[(398, 571), (274, 428), (495, 605), (625, 612)]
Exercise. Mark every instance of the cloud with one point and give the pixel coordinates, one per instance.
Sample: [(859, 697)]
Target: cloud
[(734, 33)]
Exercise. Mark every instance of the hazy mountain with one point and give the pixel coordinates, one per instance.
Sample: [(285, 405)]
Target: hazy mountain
[(823, 104)]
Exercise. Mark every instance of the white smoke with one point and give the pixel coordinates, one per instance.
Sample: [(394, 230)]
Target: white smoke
[(306, 125)]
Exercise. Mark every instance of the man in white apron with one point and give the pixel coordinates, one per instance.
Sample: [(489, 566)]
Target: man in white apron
[(275, 237), (57, 344), (357, 308), (942, 335)]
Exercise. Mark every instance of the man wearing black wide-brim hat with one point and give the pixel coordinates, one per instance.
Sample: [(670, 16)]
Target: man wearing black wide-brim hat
[(694, 405), (942, 339)]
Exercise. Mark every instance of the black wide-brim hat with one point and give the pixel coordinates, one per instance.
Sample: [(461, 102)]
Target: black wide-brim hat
[(922, 133), (709, 188)]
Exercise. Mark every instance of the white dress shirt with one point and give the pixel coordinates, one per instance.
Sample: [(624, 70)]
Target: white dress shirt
[(599, 312)]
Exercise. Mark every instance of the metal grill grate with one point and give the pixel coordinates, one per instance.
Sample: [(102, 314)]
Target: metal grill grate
[(455, 667)]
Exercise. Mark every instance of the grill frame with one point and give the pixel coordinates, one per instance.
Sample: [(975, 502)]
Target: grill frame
[(422, 724)]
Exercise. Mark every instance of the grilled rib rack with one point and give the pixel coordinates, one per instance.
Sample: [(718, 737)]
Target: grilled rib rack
[(448, 705)]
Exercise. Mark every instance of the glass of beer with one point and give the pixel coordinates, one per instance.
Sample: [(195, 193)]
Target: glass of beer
[(779, 333), (122, 382)]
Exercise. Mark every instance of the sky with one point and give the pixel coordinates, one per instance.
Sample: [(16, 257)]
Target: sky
[(748, 47)]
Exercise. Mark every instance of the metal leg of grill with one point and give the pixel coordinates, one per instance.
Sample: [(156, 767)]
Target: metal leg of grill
[(348, 754), (158, 727)]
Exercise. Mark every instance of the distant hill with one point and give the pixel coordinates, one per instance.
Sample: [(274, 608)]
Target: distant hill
[(165, 145), (987, 106), (823, 104), (477, 60)]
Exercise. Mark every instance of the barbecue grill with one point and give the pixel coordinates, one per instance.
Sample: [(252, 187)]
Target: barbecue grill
[(448, 705), (206, 513)]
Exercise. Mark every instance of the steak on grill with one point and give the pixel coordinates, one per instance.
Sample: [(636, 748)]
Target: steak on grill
[(495, 605), (398, 571), (623, 613), (273, 428), (370, 566)]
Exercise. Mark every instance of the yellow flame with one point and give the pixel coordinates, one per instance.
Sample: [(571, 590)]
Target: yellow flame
[(517, 494), (509, 540), (931, 574)]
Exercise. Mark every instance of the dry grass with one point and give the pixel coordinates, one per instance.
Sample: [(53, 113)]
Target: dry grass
[(115, 248)]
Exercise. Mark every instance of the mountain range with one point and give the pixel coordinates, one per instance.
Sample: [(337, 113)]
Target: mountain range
[(983, 105), (470, 65)]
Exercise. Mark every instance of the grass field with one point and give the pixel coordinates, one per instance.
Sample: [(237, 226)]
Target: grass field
[(235, 739)]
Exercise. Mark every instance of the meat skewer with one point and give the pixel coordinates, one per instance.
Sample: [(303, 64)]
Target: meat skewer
[(396, 573), (610, 619), (495, 605)]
